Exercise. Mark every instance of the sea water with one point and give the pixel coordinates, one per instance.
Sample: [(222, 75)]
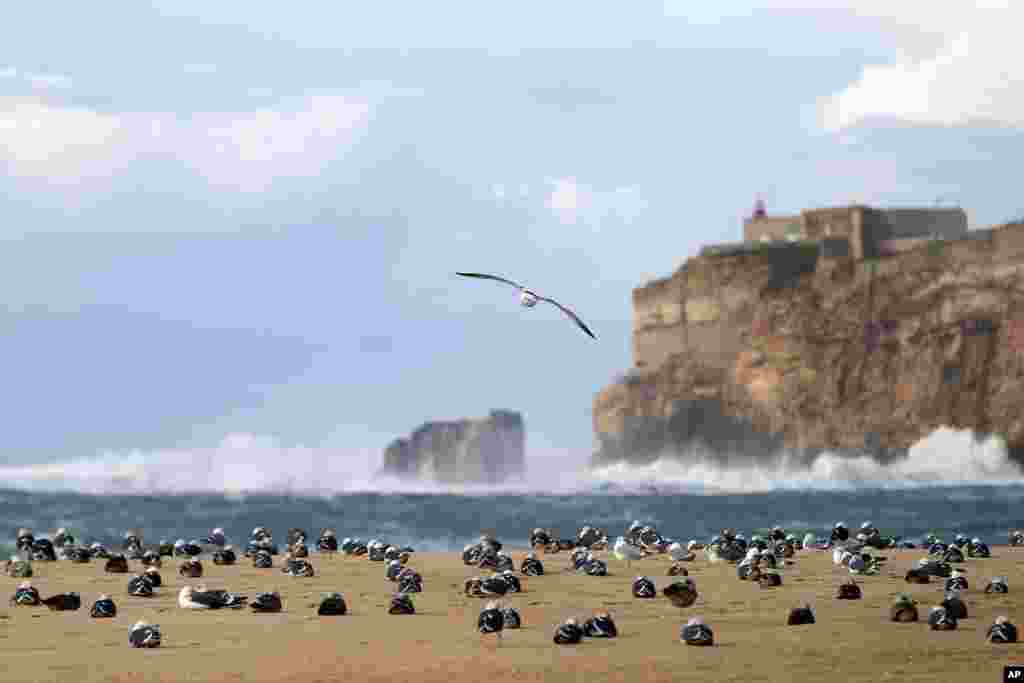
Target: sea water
[(950, 484)]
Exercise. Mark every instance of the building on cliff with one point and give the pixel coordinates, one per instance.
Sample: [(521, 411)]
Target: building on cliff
[(865, 331), (867, 232)]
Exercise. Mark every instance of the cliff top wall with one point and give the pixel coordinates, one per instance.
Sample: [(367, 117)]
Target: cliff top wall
[(864, 226)]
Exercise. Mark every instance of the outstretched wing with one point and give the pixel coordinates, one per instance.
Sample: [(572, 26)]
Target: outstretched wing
[(575, 318), (485, 276)]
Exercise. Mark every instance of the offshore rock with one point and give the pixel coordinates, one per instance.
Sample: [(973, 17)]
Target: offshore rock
[(489, 450)]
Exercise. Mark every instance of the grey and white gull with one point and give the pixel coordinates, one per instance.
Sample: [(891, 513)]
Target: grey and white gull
[(529, 298)]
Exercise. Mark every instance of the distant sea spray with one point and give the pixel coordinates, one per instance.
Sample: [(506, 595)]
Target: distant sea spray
[(244, 464)]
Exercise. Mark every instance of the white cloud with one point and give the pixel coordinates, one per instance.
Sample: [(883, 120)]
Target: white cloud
[(38, 139), (245, 151), (955, 67), (568, 199)]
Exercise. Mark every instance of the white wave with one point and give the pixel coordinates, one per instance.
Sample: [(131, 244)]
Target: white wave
[(247, 464), (947, 457), (244, 464)]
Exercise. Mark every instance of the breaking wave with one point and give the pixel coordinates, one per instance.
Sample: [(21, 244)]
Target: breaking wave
[(245, 463), (947, 457)]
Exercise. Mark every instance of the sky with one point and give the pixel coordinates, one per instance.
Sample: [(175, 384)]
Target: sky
[(243, 218)]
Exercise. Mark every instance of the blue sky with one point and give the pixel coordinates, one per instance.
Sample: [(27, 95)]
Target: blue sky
[(230, 217)]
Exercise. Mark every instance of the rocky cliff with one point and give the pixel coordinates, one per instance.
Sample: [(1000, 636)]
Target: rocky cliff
[(752, 349), (487, 450)]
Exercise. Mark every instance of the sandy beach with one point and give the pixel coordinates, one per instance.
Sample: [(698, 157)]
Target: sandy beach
[(851, 641)]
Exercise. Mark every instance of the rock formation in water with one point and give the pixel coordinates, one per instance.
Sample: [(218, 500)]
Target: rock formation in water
[(812, 346), (489, 450)]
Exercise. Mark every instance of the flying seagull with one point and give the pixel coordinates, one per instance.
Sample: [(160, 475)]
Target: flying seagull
[(529, 299)]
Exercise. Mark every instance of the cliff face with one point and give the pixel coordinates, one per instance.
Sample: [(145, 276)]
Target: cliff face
[(747, 352), (488, 450)]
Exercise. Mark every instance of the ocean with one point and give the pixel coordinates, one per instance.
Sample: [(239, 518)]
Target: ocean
[(949, 484)]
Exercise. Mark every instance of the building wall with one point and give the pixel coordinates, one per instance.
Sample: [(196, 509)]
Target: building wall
[(866, 228), (834, 247), (858, 244), (871, 231), (946, 223), (889, 228), (772, 227), (846, 221), (821, 223), (874, 231)]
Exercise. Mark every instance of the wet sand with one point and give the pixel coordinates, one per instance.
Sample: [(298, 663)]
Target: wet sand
[(851, 641)]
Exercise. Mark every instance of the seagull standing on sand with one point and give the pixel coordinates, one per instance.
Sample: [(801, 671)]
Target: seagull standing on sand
[(626, 551), (529, 299)]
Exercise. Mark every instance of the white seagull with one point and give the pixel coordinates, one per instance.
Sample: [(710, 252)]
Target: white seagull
[(529, 299), (625, 551), (200, 598), (677, 552)]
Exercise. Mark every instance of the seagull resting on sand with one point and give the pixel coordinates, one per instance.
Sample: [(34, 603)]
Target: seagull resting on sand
[(200, 598), (529, 299)]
